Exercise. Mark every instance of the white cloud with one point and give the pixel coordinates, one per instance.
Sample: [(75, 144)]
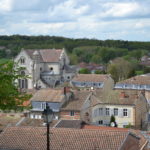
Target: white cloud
[(5, 5), (101, 19), (121, 9)]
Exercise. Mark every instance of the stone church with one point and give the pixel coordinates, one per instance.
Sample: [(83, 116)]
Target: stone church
[(45, 68)]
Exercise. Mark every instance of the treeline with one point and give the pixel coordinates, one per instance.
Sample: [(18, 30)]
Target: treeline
[(88, 50)]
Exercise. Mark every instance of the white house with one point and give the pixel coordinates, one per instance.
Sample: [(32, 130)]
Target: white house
[(128, 107), (45, 67)]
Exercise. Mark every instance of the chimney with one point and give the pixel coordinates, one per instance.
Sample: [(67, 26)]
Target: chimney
[(66, 90), (122, 95)]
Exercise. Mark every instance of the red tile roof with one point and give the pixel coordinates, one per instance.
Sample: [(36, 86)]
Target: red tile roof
[(48, 95), (139, 80), (77, 102), (142, 141), (46, 55), (29, 138), (91, 77)]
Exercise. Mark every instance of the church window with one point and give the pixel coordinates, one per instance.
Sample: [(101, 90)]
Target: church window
[(22, 60)]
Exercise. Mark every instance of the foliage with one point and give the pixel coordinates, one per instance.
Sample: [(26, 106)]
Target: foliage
[(84, 71), (79, 50), (120, 69), (99, 72), (112, 119), (10, 97), (128, 126)]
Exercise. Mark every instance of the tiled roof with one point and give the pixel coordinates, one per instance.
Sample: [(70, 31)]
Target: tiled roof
[(139, 80), (48, 95), (142, 141), (118, 97), (77, 102), (69, 124), (29, 138), (46, 55), (91, 77)]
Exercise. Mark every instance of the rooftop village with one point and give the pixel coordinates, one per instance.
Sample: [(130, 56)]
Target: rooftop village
[(90, 111)]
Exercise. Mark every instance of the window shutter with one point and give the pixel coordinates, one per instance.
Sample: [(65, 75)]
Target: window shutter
[(120, 112), (104, 111), (97, 112), (129, 112), (111, 111), (94, 113), (19, 80), (26, 83)]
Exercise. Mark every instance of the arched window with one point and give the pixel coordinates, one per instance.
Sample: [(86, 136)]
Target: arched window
[(22, 60)]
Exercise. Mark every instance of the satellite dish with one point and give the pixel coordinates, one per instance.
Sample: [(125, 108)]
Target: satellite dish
[(112, 124)]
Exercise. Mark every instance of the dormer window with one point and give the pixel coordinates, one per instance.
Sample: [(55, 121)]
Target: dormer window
[(22, 60)]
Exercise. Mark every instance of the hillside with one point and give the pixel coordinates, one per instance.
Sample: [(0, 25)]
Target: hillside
[(87, 50)]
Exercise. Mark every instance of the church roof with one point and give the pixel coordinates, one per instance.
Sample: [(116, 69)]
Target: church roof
[(46, 55)]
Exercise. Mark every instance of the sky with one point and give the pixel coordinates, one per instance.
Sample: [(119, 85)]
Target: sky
[(98, 19)]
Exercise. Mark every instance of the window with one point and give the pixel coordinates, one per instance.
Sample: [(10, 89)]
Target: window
[(43, 105), (40, 69), (23, 83), (100, 111), (125, 112), (22, 60), (23, 73), (100, 122), (71, 113), (107, 112), (115, 111)]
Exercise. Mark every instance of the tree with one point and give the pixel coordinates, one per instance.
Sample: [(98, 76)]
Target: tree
[(84, 71), (120, 69), (10, 97), (113, 121)]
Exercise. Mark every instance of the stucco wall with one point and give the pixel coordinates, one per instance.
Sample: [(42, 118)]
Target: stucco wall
[(120, 119)]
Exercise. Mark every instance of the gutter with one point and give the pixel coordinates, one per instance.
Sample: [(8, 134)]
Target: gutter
[(142, 148)]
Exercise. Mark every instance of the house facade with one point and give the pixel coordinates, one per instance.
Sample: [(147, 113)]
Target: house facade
[(54, 98), (128, 108), (45, 67), (92, 81)]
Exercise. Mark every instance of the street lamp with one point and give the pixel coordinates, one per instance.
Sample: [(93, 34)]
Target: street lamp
[(48, 117)]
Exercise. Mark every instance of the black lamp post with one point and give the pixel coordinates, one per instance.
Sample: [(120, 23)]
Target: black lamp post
[(48, 117)]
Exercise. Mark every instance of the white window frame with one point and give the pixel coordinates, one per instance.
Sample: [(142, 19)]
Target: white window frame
[(43, 105), (72, 113), (107, 111), (115, 110), (125, 112)]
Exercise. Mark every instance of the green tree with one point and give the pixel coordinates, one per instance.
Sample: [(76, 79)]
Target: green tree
[(120, 69), (10, 97), (84, 71)]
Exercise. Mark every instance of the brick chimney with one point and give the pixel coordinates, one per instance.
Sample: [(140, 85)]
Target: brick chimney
[(66, 90)]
